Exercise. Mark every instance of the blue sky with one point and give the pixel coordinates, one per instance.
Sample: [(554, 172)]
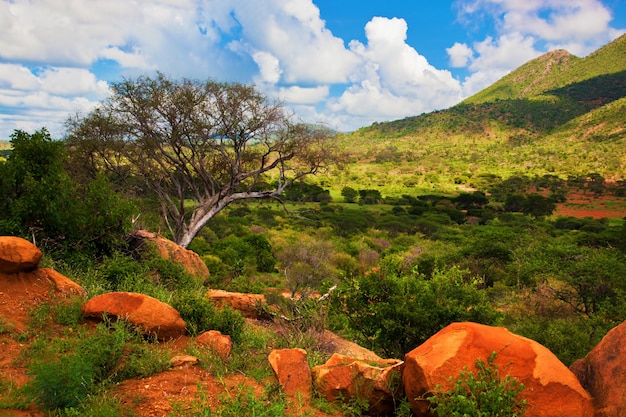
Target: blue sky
[(345, 63)]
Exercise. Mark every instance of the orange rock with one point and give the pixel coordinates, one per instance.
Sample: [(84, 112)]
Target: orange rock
[(149, 314), (332, 343), (292, 371), (18, 255), (248, 304), (62, 283), (603, 373), (218, 343), (170, 250), (551, 389), (181, 360), (345, 378)]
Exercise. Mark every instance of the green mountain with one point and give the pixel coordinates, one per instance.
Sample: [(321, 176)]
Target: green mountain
[(557, 114)]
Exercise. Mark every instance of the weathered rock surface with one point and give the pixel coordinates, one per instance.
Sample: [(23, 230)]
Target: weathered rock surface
[(184, 360), (292, 371), (603, 373), (18, 255), (551, 389), (169, 250), (332, 343), (217, 342), (247, 304), (377, 382), (62, 283), (148, 314)]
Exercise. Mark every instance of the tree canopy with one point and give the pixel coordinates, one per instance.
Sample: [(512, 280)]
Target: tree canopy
[(197, 145)]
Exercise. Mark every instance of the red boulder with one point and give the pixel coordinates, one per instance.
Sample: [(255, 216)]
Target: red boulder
[(603, 373), (146, 313), (551, 389), (18, 255)]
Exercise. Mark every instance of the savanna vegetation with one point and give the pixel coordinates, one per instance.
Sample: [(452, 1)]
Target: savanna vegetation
[(422, 222)]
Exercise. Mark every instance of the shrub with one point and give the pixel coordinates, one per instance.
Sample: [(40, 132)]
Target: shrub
[(485, 394), (394, 314), (200, 315), (66, 371)]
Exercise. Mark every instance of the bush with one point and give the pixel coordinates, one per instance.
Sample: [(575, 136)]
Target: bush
[(200, 315), (394, 314), (66, 371), (485, 394)]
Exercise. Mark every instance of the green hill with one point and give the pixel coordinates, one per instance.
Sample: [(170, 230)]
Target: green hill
[(557, 114)]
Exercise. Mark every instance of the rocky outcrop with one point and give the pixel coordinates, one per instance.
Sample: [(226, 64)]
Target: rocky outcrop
[(150, 315), (247, 304), (343, 378), (551, 389), (216, 342), (292, 371), (18, 255), (169, 250), (603, 373)]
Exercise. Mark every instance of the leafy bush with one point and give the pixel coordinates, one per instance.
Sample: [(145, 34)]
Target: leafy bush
[(394, 314), (201, 315), (485, 394), (66, 371)]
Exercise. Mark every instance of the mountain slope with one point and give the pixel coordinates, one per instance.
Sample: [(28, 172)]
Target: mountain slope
[(557, 114)]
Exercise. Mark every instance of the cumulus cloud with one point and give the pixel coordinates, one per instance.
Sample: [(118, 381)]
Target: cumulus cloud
[(394, 80), (460, 54)]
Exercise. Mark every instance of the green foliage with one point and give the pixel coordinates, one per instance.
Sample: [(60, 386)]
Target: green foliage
[(349, 194), (239, 401), (201, 315), (394, 314), (485, 394), (65, 371), (43, 202)]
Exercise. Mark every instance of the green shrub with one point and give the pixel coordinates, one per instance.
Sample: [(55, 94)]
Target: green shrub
[(201, 315), (65, 371), (395, 313), (485, 394)]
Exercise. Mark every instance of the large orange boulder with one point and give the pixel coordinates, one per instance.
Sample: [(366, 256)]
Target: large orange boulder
[(167, 249), (152, 316), (378, 383), (551, 389), (18, 255), (247, 304), (292, 371), (603, 373)]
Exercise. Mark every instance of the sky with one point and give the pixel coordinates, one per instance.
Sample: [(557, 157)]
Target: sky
[(343, 63)]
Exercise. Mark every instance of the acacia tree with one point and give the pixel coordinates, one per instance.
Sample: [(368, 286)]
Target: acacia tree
[(197, 145)]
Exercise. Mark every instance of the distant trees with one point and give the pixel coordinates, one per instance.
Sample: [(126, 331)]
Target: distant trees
[(198, 146)]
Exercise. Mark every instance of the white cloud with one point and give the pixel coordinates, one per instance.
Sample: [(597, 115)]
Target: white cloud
[(394, 79), (46, 98), (296, 95), (460, 54), (293, 32)]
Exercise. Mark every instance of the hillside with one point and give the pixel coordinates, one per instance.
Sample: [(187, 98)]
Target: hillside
[(557, 114)]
